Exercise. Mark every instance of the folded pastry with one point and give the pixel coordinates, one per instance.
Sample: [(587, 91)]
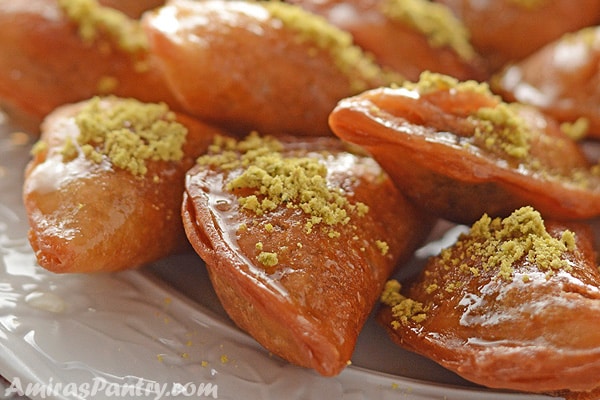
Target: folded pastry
[(513, 304), (103, 190), (562, 79), (407, 36), (459, 151), (509, 30), (298, 236), (266, 66), (56, 52)]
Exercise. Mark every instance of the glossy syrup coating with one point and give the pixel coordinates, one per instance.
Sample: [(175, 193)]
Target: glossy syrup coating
[(266, 66), (58, 52), (408, 37), (504, 31), (298, 236), (108, 199), (562, 79), (513, 304), (459, 151)]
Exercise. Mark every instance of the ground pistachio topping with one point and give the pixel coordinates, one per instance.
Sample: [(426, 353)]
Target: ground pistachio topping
[(128, 133), (432, 82), (501, 128), (39, 147), (382, 246), (350, 59), (93, 18), (404, 309), (276, 179), (500, 243), (498, 129), (268, 259), (576, 130), (434, 20)]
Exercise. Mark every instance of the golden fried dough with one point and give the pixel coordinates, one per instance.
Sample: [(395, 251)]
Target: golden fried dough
[(459, 151), (504, 31), (56, 52), (103, 191), (513, 304), (407, 36), (298, 236), (562, 79), (266, 66)]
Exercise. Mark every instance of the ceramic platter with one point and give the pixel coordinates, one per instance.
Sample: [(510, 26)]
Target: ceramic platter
[(160, 332)]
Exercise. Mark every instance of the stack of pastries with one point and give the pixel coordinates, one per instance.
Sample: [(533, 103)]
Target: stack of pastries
[(304, 151)]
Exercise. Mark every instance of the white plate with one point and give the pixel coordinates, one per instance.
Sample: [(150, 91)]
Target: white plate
[(117, 334)]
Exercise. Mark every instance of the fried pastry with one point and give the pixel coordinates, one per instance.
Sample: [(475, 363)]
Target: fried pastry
[(266, 66), (407, 36), (562, 79), (459, 151), (103, 190), (504, 31), (56, 52), (298, 236), (513, 304)]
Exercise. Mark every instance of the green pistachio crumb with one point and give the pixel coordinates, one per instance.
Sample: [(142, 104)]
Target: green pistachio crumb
[(268, 259), (92, 18), (435, 20), (128, 132)]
